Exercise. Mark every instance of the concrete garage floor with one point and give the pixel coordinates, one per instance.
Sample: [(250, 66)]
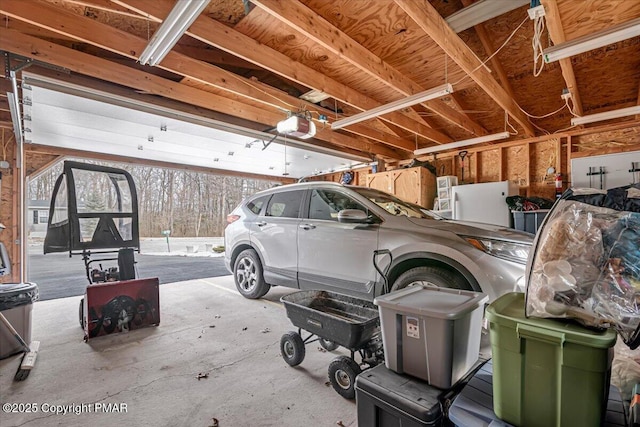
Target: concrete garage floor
[(154, 371)]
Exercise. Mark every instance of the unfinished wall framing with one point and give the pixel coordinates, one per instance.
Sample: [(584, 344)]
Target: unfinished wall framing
[(527, 162)]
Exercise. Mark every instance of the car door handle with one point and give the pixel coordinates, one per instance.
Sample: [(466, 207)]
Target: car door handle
[(307, 226), (261, 223)]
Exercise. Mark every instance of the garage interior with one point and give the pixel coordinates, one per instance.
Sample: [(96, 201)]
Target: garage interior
[(484, 91)]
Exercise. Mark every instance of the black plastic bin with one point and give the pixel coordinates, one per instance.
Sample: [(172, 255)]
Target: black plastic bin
[(387, 399), (529, 221), (16, 303)]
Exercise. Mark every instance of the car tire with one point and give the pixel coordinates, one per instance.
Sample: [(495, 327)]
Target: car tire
[(327, 345), (430, 276), (342, 376), (292, 348), (247, 275)]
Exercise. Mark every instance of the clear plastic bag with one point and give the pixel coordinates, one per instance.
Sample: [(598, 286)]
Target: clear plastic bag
[(586, 266)]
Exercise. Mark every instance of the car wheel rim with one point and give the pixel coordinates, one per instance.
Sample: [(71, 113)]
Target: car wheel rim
[(342, 379), (246, 274), (288, 350), (424, 283)]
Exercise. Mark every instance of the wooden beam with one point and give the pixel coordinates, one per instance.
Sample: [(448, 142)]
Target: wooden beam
[(606, 150), (106, 70), (428, 18), (216, 34), (114, 40), (302, 19), (558, 147), (554, 23), (489, 49), (68, 152)]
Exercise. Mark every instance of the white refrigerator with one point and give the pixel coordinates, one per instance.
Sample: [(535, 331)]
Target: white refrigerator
[(485, 202)]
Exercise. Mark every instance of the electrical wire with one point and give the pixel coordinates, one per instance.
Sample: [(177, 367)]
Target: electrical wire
[(536, 43), (546, 115), (506, 122), (482, 64)]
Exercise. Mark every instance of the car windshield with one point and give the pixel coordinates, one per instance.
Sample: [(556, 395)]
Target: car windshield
[(391, 204)]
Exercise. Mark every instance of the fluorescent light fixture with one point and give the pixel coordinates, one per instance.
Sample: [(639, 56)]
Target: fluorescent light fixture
[(481, 11), (593, 41), (607, 115), (173, 27), (458, 144), (14, 108), (436, 92)]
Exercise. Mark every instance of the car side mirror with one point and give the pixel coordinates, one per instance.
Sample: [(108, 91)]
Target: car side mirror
[(353, 216)]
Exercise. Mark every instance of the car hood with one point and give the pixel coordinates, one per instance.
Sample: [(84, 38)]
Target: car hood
[(475, 229)]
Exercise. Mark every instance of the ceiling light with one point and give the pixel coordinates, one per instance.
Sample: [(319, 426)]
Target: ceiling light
[(481, 11), (593, 41), (607, 115), (437, 92), (458, 144), (173, 27), (300, 127)]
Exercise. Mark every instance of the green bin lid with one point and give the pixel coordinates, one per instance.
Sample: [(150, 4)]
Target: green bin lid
[(508, 311)]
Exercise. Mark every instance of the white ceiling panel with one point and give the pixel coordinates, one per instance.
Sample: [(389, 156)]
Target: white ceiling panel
[(63, 115)]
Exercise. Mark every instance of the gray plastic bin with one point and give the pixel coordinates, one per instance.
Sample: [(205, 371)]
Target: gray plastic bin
[(16, 303), (431, 333)]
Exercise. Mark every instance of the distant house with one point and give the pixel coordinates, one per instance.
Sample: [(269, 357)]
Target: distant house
[(37, 217)]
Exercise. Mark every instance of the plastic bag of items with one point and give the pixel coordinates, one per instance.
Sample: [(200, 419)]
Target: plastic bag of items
[(586, 261)]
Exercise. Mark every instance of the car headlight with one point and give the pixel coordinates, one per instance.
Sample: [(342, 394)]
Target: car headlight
[(510, 251)]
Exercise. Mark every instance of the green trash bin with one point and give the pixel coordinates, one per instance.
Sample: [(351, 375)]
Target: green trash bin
[(547, 372)]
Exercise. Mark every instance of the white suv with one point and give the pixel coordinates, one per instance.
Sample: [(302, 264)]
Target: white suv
[(322, 235)]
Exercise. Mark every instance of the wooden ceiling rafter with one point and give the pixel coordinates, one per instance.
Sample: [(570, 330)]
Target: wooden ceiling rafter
[(120, 74), (229, 40), (428, 18), (554, 24), (302, 19), (489, 50), (114, 40)]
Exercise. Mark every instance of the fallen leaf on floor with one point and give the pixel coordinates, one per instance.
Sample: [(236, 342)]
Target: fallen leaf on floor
[(245, 328), (201, 376), (214, 423), (340, 424), (265, 330), (200, 336), (328, 383)]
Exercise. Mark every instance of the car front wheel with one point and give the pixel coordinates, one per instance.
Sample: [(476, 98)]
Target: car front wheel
[(247, 274), (430, 276)]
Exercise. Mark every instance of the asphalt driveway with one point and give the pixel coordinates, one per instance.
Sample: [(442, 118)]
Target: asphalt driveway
[(59, 276)]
